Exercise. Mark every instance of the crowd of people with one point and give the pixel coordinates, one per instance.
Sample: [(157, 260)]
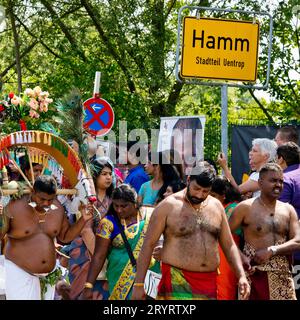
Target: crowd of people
[(203, 235)]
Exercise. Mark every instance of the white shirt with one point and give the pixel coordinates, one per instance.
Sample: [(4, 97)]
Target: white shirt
[(255, 176)]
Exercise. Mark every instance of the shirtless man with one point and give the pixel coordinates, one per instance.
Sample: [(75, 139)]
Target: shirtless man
[(271, 232), (193, 223), (32, 223)]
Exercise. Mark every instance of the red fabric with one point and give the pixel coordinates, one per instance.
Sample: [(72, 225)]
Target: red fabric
[(226, 280), (259, 286), (165, 285), (202, 282), (191, 284)]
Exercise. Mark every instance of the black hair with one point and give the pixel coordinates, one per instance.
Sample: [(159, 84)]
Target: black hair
[(223, 187), (270, 166), (25, 164), (98, 166), (177, 185), (289, 133), (290, 152), (204, 174), (123, 192), (168, 172), (46, 184)]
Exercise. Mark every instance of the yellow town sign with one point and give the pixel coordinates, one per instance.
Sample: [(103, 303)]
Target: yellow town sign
[(219, 49)]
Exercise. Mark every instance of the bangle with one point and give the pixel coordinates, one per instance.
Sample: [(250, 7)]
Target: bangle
[(273, 250), (138, 284), (88, 285)]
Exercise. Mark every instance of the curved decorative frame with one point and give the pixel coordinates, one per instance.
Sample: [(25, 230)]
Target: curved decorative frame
[(51, 144)]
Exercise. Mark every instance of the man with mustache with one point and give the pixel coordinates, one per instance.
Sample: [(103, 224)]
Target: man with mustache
[(271, 233), (193, 224), (32, 224)]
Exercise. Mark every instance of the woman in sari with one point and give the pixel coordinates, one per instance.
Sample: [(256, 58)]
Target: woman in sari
[(82, 248), (124, 213)]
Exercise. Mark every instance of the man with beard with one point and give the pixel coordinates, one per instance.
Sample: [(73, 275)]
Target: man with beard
[(32, 223), (193, 224), (271, 232)]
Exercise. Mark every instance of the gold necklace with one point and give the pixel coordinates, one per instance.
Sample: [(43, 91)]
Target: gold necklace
[(197, 211), (131, 235), (43, 214), (272, 213)]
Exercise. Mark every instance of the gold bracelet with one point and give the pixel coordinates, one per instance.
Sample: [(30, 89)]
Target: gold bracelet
[(138, 284), (88, 285)]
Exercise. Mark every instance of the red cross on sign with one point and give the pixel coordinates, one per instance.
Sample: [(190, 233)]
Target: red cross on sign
[(99, 116)]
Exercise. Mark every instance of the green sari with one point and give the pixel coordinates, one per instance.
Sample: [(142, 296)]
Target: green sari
[(120, 272)]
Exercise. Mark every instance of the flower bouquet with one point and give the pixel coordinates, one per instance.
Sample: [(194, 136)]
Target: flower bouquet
[(28, 108)]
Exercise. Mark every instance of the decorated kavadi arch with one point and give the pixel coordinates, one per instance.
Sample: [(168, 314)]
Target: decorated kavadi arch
[(53, 145)]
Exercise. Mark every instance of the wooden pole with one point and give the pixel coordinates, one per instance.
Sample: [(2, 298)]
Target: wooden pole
[(31, 168), (9, 192), (45, 163), (19, 169)]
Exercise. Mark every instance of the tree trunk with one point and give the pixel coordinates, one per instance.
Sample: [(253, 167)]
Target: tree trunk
[(26, 51), (64, 29), (17, 44)]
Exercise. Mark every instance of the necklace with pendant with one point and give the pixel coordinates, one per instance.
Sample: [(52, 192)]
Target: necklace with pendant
[(41, 215), (131, 235), (197, 211), (272, 213)]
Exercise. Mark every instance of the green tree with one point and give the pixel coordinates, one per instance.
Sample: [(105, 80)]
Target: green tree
[(133, 42)]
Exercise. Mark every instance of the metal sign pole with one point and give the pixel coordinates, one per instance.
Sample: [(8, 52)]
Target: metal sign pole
[(224, 120), (194, 53)]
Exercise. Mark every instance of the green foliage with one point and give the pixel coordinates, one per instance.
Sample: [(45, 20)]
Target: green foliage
[(133, 44), (70, 116), (51, 279)]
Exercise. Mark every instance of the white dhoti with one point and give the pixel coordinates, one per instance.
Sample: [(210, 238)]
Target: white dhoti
[(21, 285)]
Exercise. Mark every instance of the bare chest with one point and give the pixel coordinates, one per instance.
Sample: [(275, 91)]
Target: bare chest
[(27, 223), (186, 223), (263, 223)]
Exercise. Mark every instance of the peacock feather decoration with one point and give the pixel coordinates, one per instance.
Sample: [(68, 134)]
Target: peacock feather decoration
[(70, 117)]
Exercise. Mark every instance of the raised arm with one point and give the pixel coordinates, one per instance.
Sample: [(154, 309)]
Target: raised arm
[(248, 186), (70, 232)]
